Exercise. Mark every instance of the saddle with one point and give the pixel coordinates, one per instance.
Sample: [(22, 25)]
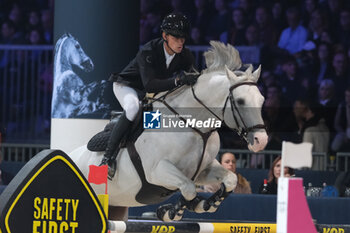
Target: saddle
[(99, 141), (149, 193)]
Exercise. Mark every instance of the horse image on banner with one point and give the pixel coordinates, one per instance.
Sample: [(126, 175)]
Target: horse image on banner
[(71, 96), (178, 161)]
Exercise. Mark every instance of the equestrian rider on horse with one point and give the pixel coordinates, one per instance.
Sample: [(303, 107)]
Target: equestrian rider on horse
[(158, 66)]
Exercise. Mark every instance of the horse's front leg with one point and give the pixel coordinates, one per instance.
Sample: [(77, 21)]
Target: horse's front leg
[(167, 175), (215, 173)]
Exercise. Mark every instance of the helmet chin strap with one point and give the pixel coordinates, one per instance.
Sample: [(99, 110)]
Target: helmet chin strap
[(167, 43)]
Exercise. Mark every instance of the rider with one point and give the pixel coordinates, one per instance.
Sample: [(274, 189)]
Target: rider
[(158, 66)]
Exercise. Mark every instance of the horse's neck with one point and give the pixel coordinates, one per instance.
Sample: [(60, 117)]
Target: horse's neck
[(211, 94), (62, 63)]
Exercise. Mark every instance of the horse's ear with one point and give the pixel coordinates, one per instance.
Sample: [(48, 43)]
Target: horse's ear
[(256, 74), (249, 69), (229, 73)]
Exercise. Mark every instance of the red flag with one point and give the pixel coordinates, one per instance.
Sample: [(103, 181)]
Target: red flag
[(98, 174)]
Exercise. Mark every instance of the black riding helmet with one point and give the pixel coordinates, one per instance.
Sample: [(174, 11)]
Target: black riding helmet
[(176, 24)]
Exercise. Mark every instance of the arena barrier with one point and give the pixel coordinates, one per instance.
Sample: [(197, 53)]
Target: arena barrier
[(189, 227), (152, 226)]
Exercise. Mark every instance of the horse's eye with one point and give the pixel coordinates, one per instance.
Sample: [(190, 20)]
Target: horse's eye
[(240, 101), (77, 46)]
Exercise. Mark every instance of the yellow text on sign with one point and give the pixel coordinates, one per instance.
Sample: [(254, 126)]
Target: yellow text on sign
[(163, 229), (244, 228)]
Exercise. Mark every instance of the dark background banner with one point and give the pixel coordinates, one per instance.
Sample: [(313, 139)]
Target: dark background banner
[(108, 32)]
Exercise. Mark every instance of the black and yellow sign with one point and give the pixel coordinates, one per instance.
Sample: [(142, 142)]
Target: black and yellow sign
[(50, 195)]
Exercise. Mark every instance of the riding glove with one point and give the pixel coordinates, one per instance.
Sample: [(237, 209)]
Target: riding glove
[(186, 78)]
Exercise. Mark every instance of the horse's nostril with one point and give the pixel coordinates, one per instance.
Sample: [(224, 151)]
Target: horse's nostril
[(87, 64), (256, 139)]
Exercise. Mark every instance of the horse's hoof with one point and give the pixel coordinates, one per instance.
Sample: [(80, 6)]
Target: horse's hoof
[(166, 212), (211, 205), (200, 207), (193, 204)]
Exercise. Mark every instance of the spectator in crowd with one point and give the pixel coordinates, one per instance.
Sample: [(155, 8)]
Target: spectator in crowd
[(340, 72), (278, 118), (333, 8), (272, 120), (289, 80), (314, 128), (16, 16), (34, 20), (196, 37), (180, 6), (248, 8), (306, 60), (267, 32), (274, 174), (323, 62), (278, 18), (47, 24), (219, 22), (294, 37), (8, 32), (317, 25), (145, 31), (309, 7), (35, 36), (267, 78), (235, 35), (343, 34), (201, 17), (328, 102), (147, 6), (252, 36), (326, 37), (341, 141), (8, 36), (228, 161), (151, 26)]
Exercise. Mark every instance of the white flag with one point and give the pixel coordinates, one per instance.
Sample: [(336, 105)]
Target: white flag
[(297, 155)]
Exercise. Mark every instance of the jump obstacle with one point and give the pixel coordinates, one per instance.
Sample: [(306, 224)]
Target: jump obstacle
[(50, 195), (133, 226)]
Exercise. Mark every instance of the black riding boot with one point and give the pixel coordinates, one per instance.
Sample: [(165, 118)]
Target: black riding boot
[(112, 149)]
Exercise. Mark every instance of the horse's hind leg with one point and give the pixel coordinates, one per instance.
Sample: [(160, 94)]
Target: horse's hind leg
[(167, 175)]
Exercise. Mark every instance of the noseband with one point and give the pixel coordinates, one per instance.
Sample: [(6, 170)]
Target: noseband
[(243, 130)]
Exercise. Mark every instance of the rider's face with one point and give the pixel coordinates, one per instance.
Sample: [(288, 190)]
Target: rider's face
[(175, 43)]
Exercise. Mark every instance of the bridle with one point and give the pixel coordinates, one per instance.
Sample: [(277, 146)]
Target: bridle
[(243, 130)]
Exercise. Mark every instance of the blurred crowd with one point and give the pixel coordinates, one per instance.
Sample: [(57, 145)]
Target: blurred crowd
[(26, 22), (304, 51)]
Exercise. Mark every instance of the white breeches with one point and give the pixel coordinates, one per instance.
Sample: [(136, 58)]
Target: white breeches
[(128, 99)]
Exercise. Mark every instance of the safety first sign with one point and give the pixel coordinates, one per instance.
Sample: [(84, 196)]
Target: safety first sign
[(50, 195)]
